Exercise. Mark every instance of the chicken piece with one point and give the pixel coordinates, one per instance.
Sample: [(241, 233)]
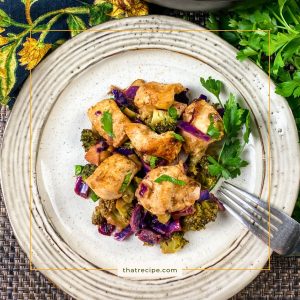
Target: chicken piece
[(95, 114), (95, 157), (108, 178), (180, 107), (147, 141), (166, 197), (153, 95), (198, 114), (138, 82)]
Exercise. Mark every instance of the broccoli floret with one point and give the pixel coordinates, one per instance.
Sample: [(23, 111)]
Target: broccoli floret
[(116, 212), (206, 212), (87, 171), (199, 171), (97, 218), (174, 243), (161, 121), (89, 138)]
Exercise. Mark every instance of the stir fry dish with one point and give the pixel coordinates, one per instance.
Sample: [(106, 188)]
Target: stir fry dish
[(153, 155)]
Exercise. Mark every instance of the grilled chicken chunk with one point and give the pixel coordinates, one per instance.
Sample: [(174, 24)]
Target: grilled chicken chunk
[(180, 107), (119, 120), (166, 197), (198, 114), (108, 178), (147, 141), (154, 95)]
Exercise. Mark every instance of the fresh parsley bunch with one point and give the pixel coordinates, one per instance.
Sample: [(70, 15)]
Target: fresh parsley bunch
[(235, 120), (282, 18)]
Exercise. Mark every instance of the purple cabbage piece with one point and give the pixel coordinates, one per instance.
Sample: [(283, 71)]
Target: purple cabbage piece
[(204, 195), (161, 162), (146, 167), (185, 126), (123, 234), (106, 228), (101, 146), (215, 199), (124, 151), (221, 111), (174, 226), (146, 220), (184, 212), (182, 97), (131, 92), (137, 218), (81, 188), (165, 229), (120, 97), (143, 189), (159, 227), (149, 236), (203, 97), (137, 120)]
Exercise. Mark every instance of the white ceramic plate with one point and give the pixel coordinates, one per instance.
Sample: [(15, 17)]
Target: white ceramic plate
[(77, 75)]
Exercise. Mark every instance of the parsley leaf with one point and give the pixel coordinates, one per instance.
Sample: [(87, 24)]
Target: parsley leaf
[(229, 162), (213, 86), (152, 161), (125, 182), (213, 131), (78, 170), (178, 137), (99, 13), (165, 177), (291, 87), (172, 111), (233, 118), (247, 128), (107, 123), (93, 196)]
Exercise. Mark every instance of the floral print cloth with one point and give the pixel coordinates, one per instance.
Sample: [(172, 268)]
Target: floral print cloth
[(29, 29)]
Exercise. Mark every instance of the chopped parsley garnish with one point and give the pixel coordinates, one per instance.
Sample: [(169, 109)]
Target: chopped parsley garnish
[(172, 111), (213, 86), (78, 170), (107, 123), (178, 137), (229, 162), (165, 177), (152, 161), (212, 130), (93, 196), (125, 183)]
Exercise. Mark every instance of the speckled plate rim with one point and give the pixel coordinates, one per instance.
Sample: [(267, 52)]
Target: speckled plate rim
[(245, 76)]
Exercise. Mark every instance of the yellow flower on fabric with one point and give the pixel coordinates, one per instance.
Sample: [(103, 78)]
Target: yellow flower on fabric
[(2, 73), (126, 8), (32, 53), (3, 40)]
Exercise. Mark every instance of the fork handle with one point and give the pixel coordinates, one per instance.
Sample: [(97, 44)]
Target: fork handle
[(295, 250)]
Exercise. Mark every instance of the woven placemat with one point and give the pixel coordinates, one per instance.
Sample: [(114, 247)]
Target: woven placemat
[(17, 282)]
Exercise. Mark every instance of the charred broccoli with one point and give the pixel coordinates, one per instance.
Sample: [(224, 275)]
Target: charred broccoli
[(89, 138), (161, 121), (116, 212), (97, 218), (206, 212), (174, 243), (87, 171), (199, 171)]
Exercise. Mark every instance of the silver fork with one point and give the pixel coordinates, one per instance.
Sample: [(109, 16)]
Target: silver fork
[(254, 213)]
